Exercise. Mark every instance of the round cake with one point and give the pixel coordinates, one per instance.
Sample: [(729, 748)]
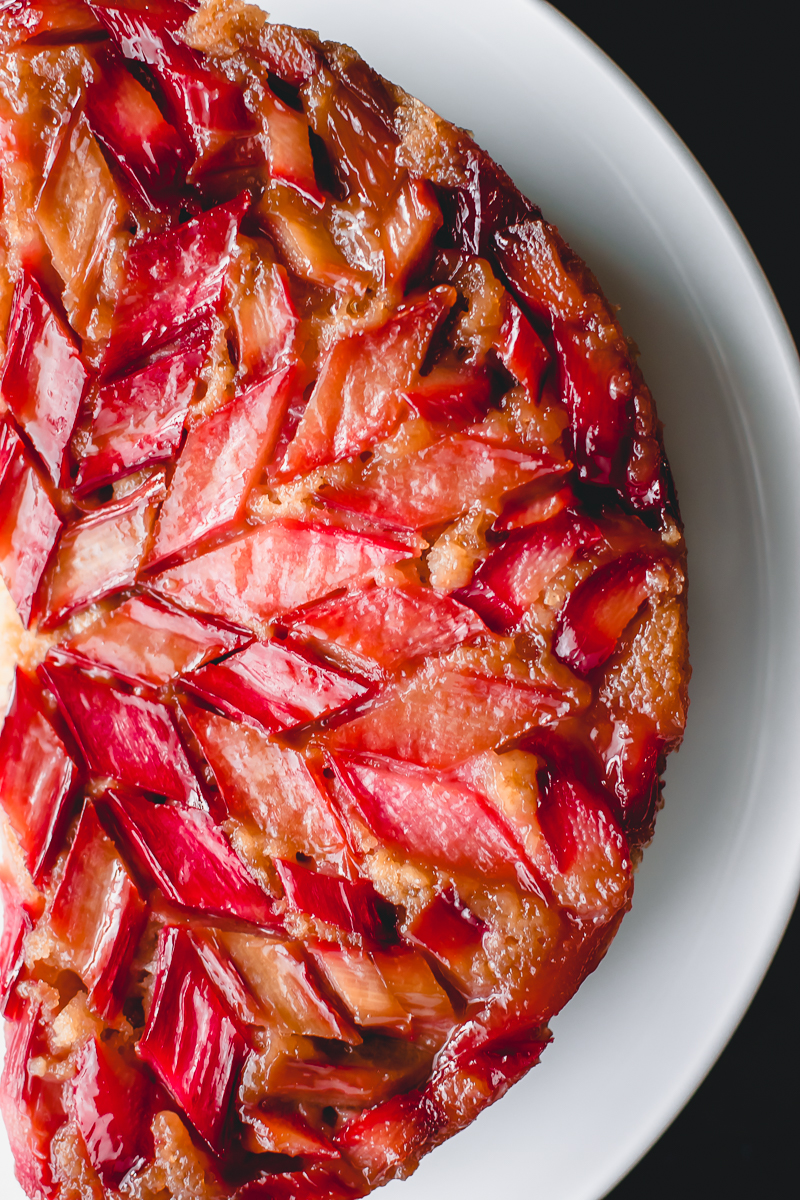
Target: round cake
[(344, 612)]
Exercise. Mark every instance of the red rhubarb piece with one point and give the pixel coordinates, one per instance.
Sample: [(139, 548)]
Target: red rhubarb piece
[(37, 777), (124, 737), (380, 1139), (439, 483), (268, 784), (113, 1109), (438, 716), (17, 924), (43, 377), (358, 398), (29, 524), (220, 461), (437, 820), (171, 280), (99, 913), (356, 980), (202, 102), (521, 350), (389, 625), (460, 394), (486, 201), (349, 904), (533, 505), (274, 569), (615, 437), (586, 860), (31, 1107), (264, 318), (274, 685), (284, 988), (513, 577), (190, 859), (145, 641), (450, 932), (599, 610), (137, 421), (191, 1040), (100, 553), (631, 751), (125, 118), (409, 228)]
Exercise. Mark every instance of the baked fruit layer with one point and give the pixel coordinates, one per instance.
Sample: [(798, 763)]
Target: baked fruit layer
[(344, 621)]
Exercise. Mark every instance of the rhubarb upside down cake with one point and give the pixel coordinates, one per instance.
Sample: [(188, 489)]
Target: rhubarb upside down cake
[(344, 612)]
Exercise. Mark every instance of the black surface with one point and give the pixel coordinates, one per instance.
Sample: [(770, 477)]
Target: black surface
[(726, 78)]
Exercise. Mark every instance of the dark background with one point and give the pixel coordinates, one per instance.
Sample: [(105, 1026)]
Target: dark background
[(727, 79)]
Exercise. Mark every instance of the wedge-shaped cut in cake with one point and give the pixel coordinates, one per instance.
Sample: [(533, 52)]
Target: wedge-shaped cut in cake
[(350, 634)]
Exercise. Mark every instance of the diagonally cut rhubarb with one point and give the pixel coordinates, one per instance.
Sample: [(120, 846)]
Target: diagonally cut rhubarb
[(29, 524)]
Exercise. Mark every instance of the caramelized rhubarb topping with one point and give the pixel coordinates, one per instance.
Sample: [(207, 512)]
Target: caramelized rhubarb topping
[(350, 587)]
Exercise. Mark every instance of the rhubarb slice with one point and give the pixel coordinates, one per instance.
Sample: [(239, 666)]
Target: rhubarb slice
[(43, 377), (124, 736), (99, 913), (358, 398), (219, 464), (598, 611), (29, 524), (38, 777), (101, 553), (191, 1040), (274, 686), (269, 785), (145, 641), (274, 569), (389, 624), (349, 904), (138, 420), (113, 1107), (190, 860)]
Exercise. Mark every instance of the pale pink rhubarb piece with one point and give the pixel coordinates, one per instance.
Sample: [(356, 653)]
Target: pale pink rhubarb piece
[(275, 568), (145, 641), (101, 553), (268, 784), (352, 974), (218, 465), (358, 397), (389, 625)]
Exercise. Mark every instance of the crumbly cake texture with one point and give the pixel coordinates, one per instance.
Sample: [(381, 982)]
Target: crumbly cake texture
[(344, 635)]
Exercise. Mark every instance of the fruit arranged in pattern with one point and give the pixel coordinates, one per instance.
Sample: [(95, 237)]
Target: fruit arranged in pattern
[(345, 609)]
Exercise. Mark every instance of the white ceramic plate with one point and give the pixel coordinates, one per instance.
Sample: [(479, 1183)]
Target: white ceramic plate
[(718, 885)]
